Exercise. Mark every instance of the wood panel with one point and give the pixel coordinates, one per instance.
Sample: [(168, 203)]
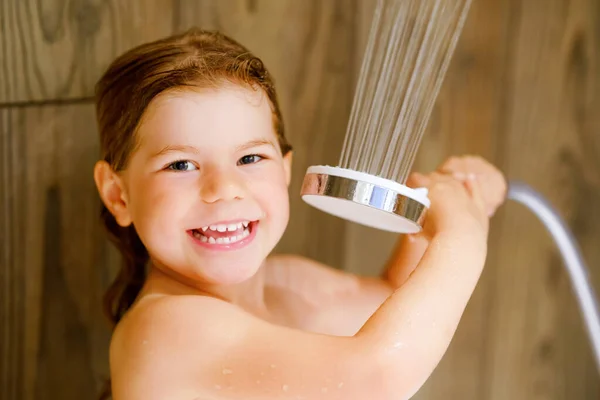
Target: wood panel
[(520, 91), (308, 47), (55, 49), (56, 262), (465, 121), (537, 347), (523, 90)]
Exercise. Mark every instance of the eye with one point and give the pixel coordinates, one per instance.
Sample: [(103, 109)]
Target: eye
[(250, 159), (182, 165)]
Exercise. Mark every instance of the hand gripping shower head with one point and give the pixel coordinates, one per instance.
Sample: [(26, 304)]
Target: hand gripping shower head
[(410, 46)]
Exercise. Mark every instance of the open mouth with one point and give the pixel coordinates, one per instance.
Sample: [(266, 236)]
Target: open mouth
[(224, 233)]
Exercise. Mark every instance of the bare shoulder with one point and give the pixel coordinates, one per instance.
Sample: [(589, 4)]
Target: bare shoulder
[(162, 343), (192, 348)]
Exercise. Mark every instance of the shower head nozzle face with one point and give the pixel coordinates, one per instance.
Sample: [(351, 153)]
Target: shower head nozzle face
[(365, 199)]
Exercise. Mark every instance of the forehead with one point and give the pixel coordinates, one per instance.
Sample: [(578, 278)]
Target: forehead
[(219, 116)]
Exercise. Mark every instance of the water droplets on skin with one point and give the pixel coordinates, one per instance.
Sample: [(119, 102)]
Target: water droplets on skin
[(324, 390), (340, 385), (285, 388), (273, 366), (227, 371), (406, 58)]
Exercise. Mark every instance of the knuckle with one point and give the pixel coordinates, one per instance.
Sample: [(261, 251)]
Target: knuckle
[(452, 161)]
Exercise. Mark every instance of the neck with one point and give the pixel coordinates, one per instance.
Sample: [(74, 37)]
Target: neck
[(248, 295)]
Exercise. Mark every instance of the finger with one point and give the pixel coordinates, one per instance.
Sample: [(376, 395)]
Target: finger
[(452, 164), (492, 183), (474, 189), (416, 180), (455, 168)]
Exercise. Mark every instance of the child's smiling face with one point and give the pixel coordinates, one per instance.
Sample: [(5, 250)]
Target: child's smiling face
[(208, 160)]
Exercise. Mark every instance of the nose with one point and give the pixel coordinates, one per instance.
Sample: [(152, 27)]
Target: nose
[(219, 184)]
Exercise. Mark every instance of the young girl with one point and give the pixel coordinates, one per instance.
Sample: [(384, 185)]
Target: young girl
[(194, 178)]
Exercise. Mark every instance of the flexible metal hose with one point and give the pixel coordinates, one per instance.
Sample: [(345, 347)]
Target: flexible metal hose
[(571, 255)]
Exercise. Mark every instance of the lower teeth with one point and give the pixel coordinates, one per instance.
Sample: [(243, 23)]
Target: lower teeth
[(221, 240)]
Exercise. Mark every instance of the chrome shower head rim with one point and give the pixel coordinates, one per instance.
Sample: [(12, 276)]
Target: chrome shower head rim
[(365, 199)]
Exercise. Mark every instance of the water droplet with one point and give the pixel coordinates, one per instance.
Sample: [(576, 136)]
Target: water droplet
[(258, 382), (340, 385), (273, 366), (285, 388), (397, 345), (262, 374), (324, 390), (145, 342), (218, 387), (227, 371)]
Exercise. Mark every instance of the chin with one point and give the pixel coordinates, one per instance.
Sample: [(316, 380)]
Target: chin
[(231, 273)]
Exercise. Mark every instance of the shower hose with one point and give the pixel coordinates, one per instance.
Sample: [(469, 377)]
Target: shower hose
[(571, 255)]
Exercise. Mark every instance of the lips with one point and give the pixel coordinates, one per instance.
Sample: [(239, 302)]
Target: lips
[(224, 233)]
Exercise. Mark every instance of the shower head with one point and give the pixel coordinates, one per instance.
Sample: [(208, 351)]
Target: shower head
[(408, 52), (365, 199)]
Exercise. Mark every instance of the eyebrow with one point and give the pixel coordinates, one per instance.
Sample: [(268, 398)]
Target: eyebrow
[(255, 143), (176, 148), (191, 149)]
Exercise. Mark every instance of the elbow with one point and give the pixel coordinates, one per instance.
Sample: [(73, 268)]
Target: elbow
[(401, 384), (395, 372), (395, 378)]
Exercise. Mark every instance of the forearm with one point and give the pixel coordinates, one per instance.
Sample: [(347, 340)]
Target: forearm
[(405, 257), (414, 326)]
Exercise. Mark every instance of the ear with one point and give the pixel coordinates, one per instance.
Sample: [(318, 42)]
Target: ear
[(287, 165), (112, 192)]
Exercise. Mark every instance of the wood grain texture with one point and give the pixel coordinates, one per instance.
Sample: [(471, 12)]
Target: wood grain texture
[(308, 47), (57, 49), (537, 347), (520, 91), (56, 263), (523, 90)]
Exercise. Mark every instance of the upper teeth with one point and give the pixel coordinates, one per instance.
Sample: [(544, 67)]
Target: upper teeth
[(226, 227)]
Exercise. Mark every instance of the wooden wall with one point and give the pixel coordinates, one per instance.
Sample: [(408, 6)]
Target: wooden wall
[(523, 90)]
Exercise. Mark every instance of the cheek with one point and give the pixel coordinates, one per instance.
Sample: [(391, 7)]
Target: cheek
[(272, 194), (158, 202)]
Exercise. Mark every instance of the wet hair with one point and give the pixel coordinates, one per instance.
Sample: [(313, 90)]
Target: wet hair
[(194, 59)]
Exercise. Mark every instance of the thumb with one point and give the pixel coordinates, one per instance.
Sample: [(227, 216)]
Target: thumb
[(417, 180)]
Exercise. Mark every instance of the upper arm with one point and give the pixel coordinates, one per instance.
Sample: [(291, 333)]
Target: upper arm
[(205, 348)]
